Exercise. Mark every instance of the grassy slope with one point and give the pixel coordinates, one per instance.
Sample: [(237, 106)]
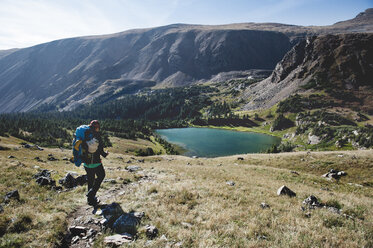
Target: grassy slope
[(195, 191)]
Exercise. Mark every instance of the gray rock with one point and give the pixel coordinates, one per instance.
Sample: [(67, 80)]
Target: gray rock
[(312, 202), (186, 224), (75, 240), (133, 168), (45, 181), (283, 190), (11, 157), (68, 181), (81, 180), (117, 240), (77, 230), (264, 205), (151, 231), (11, 195), (240, 158), (126, 223), (334, 174), (231, 183), (110, 180), (112, 212), (43, 173)]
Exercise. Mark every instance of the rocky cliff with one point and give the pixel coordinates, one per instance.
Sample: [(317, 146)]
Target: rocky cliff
[(342, 62)]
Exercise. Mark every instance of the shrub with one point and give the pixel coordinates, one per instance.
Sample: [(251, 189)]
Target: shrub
[(281, 123)]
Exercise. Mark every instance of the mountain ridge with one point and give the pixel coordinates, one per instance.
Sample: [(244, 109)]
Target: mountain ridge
[(67, 72)]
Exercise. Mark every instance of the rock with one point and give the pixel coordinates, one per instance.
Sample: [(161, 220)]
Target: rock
[(112, 212), (126, 223), (68, 181), (151, 231), (1, 209), (75, 240), (240, 158), (264, 205), (334, 174), (43, 173), (11, 195), (45, 181), (11, 157), (81, 180), (110, 180), (39, 148), (141, 160), (27, 146), (65, 159), (38, 159), (91, 233), (194, 157), (312, 202), (133, 168), (294, 172), (117, 240), (51, 158), (163, 238), (333, 210), (230, 183), (77, 230), (283, 190), (307, 215), (313, 139)]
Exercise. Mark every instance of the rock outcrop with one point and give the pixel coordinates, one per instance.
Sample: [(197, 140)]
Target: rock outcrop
[(331, 61)]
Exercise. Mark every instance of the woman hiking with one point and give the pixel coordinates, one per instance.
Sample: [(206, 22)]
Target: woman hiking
[(92, 150)]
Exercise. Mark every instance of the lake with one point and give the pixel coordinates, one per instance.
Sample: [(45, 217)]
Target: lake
[(211, 142)]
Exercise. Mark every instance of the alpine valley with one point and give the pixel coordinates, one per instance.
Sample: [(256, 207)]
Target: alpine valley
[(310, 86)]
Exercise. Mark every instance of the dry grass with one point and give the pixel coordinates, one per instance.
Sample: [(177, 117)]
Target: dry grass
[(189, 201)]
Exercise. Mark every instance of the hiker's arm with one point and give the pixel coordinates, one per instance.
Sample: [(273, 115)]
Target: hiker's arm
[(101, 148)]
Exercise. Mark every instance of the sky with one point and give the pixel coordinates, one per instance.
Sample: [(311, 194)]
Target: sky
[(25, 23)]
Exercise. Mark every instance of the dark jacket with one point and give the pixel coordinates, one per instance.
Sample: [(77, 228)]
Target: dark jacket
[(93, 158)]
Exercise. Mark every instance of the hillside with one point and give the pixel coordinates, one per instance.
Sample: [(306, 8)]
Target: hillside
[(192, 202), (339, 65), (70, 72)]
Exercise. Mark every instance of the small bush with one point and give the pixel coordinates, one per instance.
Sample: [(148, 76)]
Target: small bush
[(21, 224), (333, 221), (281, 123), (334, 203)]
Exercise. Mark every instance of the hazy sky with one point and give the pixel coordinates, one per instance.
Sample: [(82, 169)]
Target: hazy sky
[(29, 22)]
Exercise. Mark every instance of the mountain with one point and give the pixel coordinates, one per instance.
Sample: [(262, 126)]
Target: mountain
[(69, 72), (337, 64)]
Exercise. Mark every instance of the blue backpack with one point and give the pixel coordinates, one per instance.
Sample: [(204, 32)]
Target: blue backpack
[(79, 137)]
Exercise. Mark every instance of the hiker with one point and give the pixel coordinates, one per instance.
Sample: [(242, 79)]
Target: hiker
[(92, 149)]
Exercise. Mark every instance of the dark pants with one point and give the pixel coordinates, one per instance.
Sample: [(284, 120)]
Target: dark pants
[(94, 184)]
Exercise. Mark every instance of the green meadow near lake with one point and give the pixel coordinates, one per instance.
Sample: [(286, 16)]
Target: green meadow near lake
[(211, 142)]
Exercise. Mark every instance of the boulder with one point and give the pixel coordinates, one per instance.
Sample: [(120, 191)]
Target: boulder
[(45, 181), (283, 190), (111, 212), (126, 223), (43, 173), (117, 240), (81, 180), (11, 195), (68, 181), (151, 231)]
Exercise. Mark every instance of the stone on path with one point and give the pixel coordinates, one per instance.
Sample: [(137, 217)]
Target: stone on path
[(283, 190), (77, 230), (133, 168), (231, 183), (126, 223), (117, 240)]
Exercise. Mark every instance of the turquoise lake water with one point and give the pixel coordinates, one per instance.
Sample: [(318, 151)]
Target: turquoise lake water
[(210, 142)]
